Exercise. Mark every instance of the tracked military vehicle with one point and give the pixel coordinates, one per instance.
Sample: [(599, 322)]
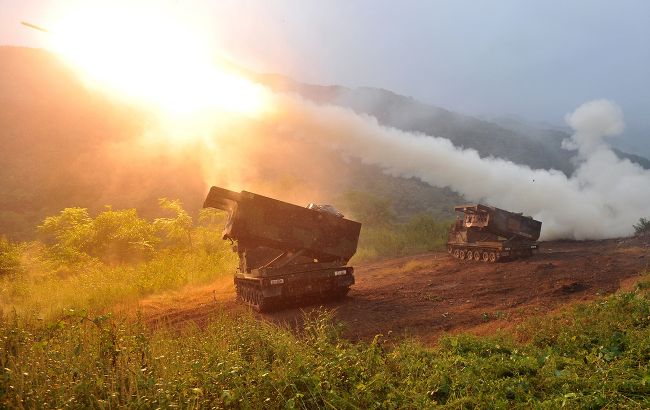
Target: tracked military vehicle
[(287, 253), (483, 233)]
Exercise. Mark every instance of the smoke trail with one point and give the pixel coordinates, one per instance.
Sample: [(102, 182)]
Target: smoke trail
[(602, 199)]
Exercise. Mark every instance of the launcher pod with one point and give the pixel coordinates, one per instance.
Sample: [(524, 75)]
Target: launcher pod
[(287, 253), (488, 234)]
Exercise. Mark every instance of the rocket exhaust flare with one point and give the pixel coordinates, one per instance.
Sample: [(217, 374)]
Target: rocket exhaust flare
[(34, 26)]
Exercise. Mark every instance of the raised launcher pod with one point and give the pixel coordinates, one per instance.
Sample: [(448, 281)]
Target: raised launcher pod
[(489, 234), (286, 252)]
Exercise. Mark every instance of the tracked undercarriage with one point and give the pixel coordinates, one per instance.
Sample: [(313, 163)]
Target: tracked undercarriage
[(488, 234), (288, 254)]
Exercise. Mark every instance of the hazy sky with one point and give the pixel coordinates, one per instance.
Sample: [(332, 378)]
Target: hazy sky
[(537, 59)]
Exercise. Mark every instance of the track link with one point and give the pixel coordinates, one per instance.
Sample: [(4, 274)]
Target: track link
[(484, 255), (250, 293)]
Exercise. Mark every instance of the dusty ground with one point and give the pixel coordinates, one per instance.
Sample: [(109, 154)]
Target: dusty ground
[(426, 295)]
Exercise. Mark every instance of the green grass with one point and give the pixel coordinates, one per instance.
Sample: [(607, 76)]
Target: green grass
[(593, 356), (421, 233), (60, 349), (46, 292), (78, 268)]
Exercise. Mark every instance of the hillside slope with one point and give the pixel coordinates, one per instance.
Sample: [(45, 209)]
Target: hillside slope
[(537, 147), (64, 146), (59, 146)]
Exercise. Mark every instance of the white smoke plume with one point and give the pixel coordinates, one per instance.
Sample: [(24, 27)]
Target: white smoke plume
[(602, 199), (592, 122)]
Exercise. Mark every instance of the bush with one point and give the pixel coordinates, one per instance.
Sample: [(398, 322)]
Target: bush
[(368, 208), (642, 227), (68, 236), (177, 231), (208, 233), (47, 291), (383, 236), (120, 236), (10, 257), (113, 236), (115, 257)]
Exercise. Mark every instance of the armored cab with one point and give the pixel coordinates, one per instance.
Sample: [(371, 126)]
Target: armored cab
[(286, 252), (489, 234)]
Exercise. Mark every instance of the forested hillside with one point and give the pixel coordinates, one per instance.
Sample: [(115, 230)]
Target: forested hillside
[(535, 146), (57, 142), (63, 145)]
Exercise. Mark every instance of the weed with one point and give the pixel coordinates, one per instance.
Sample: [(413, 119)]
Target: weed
[(414, 265), (593, 355)]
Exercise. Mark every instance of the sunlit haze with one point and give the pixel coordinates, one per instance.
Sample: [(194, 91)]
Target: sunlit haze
[(533, 59), (176, 59), (150, 55), (312, 204)]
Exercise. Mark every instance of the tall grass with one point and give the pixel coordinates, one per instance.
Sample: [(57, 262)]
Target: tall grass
[(93, 264), (46, 293), (594, 356)]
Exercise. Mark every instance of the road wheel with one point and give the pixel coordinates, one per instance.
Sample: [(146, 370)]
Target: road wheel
[(470, 256), (477, 256), (339, 293), (457, 253), (259, 304), (493, 257), (485, 256), (462, 254)]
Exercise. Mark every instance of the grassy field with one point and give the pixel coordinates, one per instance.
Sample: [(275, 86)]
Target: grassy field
[(60, 347), (593, 356)]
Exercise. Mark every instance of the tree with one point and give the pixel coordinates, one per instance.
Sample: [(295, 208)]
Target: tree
[(10, 257), (642, 227), (122, 235), (68, 235), (73, 236), (177, 230)]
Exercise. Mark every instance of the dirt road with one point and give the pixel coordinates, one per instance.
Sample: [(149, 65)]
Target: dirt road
[(426, 295)]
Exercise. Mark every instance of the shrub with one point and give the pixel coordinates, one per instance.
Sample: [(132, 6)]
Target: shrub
[(421, 233), (368, 208), (73, 261), (10, 257), (208, 233), (122, 236), (177, 230), (113, 236), (383, 236), (643, 226)]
